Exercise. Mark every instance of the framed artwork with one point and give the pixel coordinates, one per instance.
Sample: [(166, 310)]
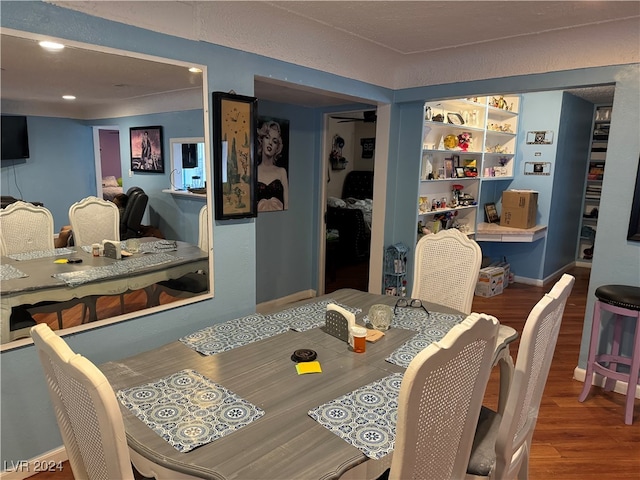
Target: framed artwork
[(460, 172), (449, 172), (544, 137), (272, 159), (234, 126), (146, 149), (634, 221), (491, 213)]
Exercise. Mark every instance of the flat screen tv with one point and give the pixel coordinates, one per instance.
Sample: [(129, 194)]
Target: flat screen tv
[(15, 140)]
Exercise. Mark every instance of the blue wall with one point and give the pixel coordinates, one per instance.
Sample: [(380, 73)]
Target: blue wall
[(287, 240), (28, 423)]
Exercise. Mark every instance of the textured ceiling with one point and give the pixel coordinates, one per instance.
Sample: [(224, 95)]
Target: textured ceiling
[(386, 43)]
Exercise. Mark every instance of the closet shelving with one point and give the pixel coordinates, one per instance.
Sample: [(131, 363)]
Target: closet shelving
[(593, 184)]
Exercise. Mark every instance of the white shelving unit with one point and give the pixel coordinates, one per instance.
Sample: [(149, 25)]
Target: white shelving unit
[(593, 184), (492, 124)]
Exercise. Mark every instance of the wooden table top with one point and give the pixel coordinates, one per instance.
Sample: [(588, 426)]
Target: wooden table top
[(285, 442)]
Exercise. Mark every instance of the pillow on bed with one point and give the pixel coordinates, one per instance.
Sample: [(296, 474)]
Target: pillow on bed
[(109, 181), (336, 202)]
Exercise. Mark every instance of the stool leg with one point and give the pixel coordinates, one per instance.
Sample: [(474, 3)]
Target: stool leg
[(593, 347), (610, 383), (633, 375)]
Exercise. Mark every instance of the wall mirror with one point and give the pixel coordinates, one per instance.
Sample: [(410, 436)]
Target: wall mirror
[(114, 90)]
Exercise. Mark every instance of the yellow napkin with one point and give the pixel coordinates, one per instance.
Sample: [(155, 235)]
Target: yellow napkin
[(308, 367)]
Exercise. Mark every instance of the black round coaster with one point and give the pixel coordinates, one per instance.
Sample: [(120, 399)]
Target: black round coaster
[(304, 355)]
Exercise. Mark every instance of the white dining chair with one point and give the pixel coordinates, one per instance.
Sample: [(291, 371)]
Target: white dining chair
[(88, 415), (24, 228), (439, 402), (191, 284), (502, 443), (93, 220), (446, 268)]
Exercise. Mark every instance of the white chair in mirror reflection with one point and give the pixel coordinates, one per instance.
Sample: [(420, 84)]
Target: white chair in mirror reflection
[(88, 414), (93, 220), (191, 284), (25, 228), (446, 269), (502, 443), (439, 402)]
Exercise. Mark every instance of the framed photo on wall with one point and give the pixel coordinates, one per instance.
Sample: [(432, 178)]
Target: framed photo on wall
[(146, 149), (272, 158), (234, 127)]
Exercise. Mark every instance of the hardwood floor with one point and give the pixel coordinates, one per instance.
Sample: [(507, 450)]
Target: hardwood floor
[(572, 440)]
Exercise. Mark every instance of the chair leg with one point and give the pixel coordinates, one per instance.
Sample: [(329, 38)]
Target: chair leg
[(506, 375), (593, 347), (60, 325), (633, 375)]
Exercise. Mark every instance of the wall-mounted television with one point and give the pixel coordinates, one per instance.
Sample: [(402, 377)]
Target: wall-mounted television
[(15, 139)]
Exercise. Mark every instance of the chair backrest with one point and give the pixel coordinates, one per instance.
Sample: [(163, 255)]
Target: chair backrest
[(440, 399), (25, 228), (131, 220), (203, 229), (86, 409), (535, 353), (94, 220), (446, 269)]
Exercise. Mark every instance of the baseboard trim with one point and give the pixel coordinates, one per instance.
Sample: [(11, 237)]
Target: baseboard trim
[(271, 305), (598, 380), (50, 461)]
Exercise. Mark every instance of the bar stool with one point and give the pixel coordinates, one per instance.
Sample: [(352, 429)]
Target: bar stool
[(622, 301)]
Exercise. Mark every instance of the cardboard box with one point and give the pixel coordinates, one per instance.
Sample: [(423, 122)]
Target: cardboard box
[(490, 282), (507, 272), (519, 208)]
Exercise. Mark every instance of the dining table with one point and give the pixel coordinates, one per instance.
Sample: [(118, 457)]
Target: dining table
[(269, 420), (68, 273)]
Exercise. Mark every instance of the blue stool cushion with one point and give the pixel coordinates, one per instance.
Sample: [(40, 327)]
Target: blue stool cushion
[(623, 296)]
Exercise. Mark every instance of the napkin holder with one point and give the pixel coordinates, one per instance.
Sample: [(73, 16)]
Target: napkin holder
[(338, 321), (111, 249)]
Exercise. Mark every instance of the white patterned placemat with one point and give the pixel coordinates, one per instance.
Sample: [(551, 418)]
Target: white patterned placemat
[(366, 418), (41, 254), (9, 272), (121, 267), (306, 317), (430, 328), (234, 333), (188, 410)]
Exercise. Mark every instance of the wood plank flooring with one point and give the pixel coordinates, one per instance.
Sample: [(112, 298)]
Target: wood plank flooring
[(572, 440)]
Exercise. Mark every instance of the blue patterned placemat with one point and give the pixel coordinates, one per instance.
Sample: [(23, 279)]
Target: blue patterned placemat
[(123, 267), (308, 316), (9, 272), (41, 254), (366, 418), (188, 410), (430, 328), (234, 333)]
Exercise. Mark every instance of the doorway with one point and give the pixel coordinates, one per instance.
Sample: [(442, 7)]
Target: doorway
[(108, 161), (349, 156)]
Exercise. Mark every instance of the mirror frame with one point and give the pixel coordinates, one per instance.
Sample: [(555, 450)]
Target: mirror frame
[(207, 141)]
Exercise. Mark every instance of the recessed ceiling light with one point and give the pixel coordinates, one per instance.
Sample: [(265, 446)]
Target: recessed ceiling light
[(51, 46), (195, 70), (69, 97)]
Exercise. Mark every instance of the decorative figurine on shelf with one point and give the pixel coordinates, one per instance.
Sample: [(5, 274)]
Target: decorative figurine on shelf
[(464, 141)]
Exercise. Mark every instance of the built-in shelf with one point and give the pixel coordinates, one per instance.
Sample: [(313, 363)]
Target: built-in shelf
[(186, 193), (492, 232)]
